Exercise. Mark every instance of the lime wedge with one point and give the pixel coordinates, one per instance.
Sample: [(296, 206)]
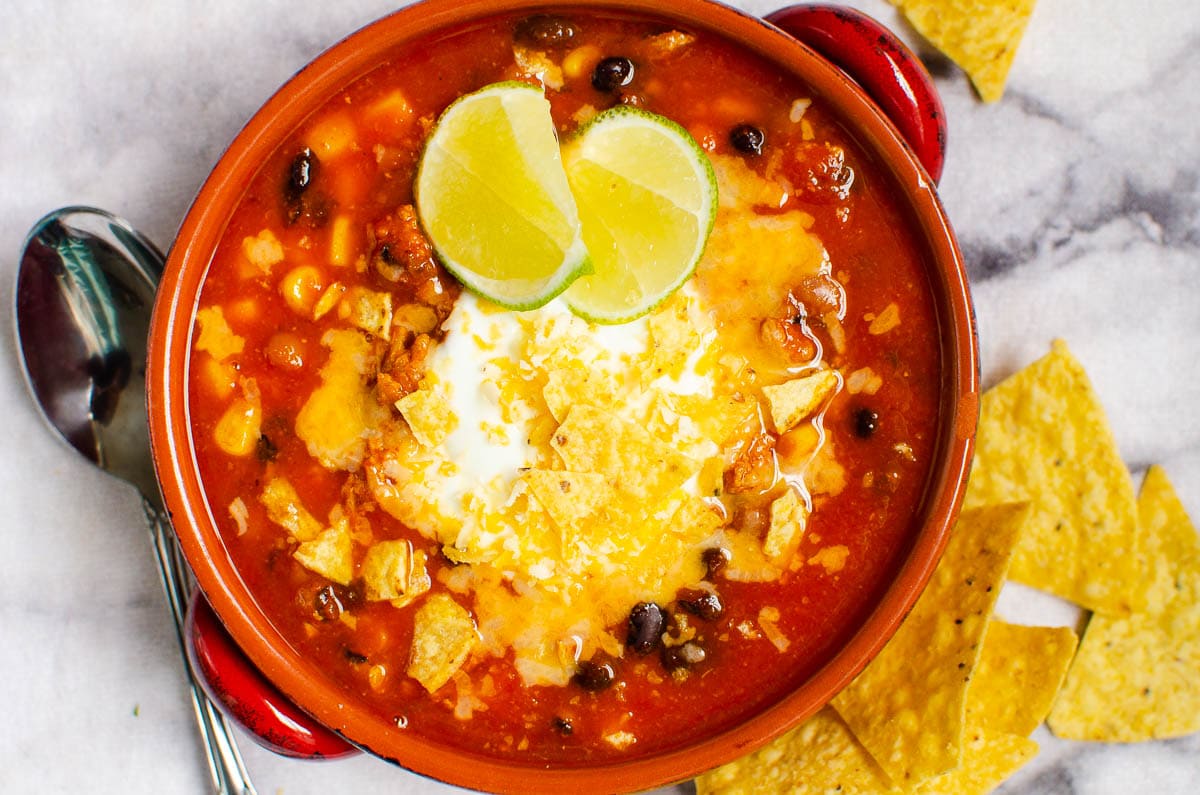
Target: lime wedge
[(492, 196), (647, 197)]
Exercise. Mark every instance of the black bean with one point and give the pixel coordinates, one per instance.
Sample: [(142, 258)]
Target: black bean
[(265, 450), (612, 73), (866, 422), (747, 139), (645, 627), (688, 655), (562, 726), (327, 605), (353, 656), (714, 559), (705, 604), (545, 30), (301, 173), (595, 675)]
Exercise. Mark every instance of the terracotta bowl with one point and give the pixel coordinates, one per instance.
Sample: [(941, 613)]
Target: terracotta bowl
[(833, 33)]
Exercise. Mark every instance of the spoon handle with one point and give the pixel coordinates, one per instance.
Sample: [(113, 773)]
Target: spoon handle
[(225, 765)]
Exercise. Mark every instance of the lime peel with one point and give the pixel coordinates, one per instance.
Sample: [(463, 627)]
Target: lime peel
[(647, 197), (492, 197)]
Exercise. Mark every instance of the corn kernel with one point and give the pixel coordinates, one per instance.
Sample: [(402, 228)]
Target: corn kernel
[(301, 287), (581, 60), (238, 430), (376, 676), (341, 241), (329, 299), (332, 136)]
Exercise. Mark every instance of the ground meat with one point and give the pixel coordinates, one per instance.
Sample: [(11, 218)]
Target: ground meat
[(403, 366), (402, 255), (754, 470)]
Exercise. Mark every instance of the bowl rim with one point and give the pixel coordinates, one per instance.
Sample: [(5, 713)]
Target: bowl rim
[(300, 680)]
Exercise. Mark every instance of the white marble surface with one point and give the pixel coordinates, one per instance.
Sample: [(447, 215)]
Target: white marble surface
[(1076, 199)]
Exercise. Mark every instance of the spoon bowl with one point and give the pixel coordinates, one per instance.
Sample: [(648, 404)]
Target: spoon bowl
[(84, 298)]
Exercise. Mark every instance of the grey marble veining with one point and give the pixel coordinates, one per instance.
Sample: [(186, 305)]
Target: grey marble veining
[(1076, 200)]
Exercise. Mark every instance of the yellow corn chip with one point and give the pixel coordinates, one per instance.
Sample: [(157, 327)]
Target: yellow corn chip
[(987, 760), (284, 508), (330, 554), (981, 36), (907, 707), (391, 570), (789, 515), (794, 400), (428, 415), (569, 497), (1020, 672), (821, 756), (592, 440), (1043, 438), (444, 634), (1137, 677)]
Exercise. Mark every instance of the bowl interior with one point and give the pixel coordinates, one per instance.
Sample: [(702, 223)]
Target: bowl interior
[(184, 494)]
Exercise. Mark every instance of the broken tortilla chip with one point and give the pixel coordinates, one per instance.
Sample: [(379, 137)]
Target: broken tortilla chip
[(444, 634), (1043, 437), (820, 756), (641, 465), (1136, 677), (794, 400), (981, 36), (1019, 674), (569, 497), (330, 554), (908, 706)]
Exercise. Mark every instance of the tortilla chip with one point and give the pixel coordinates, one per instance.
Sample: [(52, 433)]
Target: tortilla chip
[(794, 400), (1137, 677), (428, 415), (1019, 674), (646, 468), (908, 706), (330, 554), (392, 571), (1043, 437), (569, 497), (284, 508), (981, 36), (987, 760), (819, 757), (444, 634), (789, 515)]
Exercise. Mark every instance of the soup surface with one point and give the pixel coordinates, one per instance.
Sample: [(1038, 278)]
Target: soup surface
[(527, 535)]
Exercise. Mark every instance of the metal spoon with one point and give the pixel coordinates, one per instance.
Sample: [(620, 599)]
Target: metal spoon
[(85, 290)]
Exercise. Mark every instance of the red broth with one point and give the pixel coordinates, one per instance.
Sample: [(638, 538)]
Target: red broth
[(882, 423)]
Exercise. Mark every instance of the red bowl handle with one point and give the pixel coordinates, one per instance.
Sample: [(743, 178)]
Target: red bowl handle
[(232, 681), (887, 70)]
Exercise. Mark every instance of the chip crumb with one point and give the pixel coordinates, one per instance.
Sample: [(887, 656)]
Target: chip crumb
[(885, 321), (832, 558), (240, 515), (620, 739)]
